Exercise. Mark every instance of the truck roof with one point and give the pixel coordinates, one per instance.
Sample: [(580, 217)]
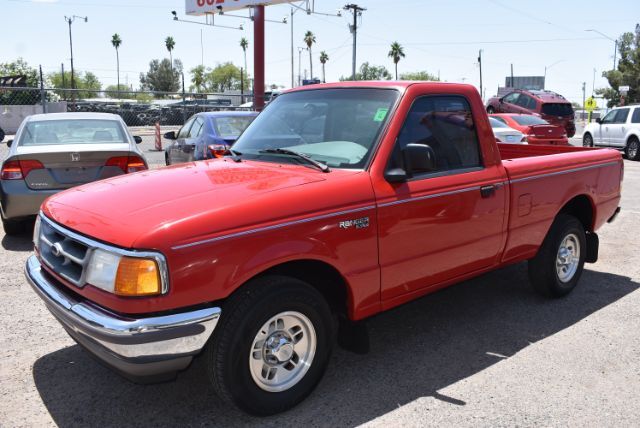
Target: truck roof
[(390, 84)]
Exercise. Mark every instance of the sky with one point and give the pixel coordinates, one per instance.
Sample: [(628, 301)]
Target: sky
[(441, 37)]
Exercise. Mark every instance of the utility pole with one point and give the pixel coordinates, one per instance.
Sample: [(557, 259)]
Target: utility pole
[(511, 83), (43, 98), (593, 88), (584, 98), (357, 11), (480, 65), (300, 65), (70, 20), (64, 95)]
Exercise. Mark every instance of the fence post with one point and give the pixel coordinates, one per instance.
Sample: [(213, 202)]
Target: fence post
[(43, 98), (184, 103), (158, 138)]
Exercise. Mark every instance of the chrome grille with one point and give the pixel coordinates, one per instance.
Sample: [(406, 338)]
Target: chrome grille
[(66, 256)]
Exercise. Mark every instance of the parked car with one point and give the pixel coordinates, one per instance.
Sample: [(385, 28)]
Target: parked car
[(620, 129), (56, 151), (203, 134), (506, 134), (535, 129), (262, 260), (550, 106)]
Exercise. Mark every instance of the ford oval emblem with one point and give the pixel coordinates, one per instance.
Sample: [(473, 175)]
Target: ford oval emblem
[(56, 249)]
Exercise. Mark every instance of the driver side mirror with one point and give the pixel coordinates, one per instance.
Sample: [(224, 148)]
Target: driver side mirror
[(137, 139), (417, 159), (171, 135), (598, 120), (9, 143)]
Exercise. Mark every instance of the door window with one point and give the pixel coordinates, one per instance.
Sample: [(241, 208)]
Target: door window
[(609, 117), (526, 101), (512, 98), (184, 131), (444, 123), (635, 118), (621, 116), (196, 129)]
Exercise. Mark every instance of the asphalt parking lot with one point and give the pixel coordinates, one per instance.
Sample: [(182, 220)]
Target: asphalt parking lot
[(487, 352)]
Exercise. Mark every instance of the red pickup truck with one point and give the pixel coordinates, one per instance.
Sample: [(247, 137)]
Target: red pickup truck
[(338, 202)]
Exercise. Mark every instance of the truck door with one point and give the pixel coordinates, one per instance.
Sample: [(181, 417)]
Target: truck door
[(445, 223)]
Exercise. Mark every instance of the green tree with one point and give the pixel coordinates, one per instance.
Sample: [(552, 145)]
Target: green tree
[(117, 91), (162, 76), (116, 41), (87, 84), (627, 72), (324, 57), (396, 53), (310, 39), (169, 43), (370, 72), (419, 75), (198, 78), (224, 77), (244, 44), (20, 67)]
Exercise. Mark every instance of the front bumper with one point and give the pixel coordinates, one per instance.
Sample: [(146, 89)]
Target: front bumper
[(141, 349)]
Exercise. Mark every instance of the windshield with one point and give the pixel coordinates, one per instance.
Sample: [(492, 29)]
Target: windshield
[(72, 131), (338, 127), (495, 123), (529, 120), (557, 109), (229, 127)]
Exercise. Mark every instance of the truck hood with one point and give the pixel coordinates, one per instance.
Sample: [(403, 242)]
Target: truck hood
[(183, 202)]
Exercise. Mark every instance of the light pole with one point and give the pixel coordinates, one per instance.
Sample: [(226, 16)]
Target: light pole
[(300, 49), (546, 67), (615, 45), (70, 20)]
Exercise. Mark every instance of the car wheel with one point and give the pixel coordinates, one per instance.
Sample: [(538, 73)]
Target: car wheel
[(272, 345), (587, 140), (13, 227), (633, 149), (557, 267), (490, 110), (166, 159)]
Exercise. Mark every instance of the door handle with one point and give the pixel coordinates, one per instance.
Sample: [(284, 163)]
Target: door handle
[(487, 191)]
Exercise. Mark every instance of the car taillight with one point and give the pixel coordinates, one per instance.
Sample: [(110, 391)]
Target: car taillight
[(218, 150), (19, 169), (127, 163)]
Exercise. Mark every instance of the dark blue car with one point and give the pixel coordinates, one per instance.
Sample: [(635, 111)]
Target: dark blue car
[(203, 133)]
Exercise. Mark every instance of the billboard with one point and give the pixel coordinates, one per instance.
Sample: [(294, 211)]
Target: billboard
[(202, 7), (525, 82)]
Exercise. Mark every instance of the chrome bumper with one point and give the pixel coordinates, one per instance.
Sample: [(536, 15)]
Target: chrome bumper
[(139, 348)]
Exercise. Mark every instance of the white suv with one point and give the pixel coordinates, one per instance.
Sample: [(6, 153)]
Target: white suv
[(620, 129)]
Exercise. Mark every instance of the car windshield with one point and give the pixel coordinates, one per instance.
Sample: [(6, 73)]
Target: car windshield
[(557, 109), (71, 131), (229, 127), (529, 120), (495, 123), (338, 127)]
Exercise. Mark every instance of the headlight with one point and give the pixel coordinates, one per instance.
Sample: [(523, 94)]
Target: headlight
[(123, 275)]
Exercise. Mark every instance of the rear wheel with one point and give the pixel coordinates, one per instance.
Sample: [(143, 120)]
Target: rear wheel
[(633, 149), (587, 140), (557, 267), (13, 227), (272, 345)]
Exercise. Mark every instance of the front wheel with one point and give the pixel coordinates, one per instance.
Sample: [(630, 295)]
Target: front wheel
[(587, 140), (557, 267), (272, 345), (633, 149)]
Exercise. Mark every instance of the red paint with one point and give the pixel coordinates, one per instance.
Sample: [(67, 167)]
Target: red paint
[(275, 213)]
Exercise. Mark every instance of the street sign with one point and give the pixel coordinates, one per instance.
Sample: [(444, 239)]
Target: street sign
[(590, 104), (203, 7), (623, 89)]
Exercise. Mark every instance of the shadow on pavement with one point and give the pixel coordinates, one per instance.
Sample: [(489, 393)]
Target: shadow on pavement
[(416, 350), (22, 242)]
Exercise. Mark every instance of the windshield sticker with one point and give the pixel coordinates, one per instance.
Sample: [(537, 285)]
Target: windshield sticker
[(380, 114)]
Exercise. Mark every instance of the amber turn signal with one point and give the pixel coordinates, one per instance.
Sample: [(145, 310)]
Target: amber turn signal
[(137, 277)]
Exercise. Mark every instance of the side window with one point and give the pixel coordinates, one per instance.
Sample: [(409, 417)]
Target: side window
[(501, 119), (196, 129), (512, 98), (610, 116), (635, 118), (184, 131), (532, 105), (444, 123), (622, 115), (523, 101)]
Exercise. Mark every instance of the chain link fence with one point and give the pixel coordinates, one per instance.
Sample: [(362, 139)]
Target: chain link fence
[(137, 108)]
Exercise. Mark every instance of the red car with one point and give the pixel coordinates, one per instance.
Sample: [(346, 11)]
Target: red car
[(338, 202), (536, 129), (552, 107)]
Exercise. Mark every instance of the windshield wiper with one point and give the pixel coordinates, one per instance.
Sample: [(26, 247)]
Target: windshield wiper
[(235, 155), (321, 166)]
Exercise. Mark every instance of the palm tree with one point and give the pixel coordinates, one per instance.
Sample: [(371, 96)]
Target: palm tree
[(116, 41), (310, 39), (396, 53), (170, 44), (323, 59), (244, 44)]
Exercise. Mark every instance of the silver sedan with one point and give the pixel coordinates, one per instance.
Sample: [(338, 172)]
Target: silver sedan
[(56, 151)]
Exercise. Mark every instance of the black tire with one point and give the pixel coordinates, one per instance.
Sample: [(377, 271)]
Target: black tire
[(228, 353), (543, 271), (587, 140), (166, 159), (13, 227), (490, 110), (632, 150)]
